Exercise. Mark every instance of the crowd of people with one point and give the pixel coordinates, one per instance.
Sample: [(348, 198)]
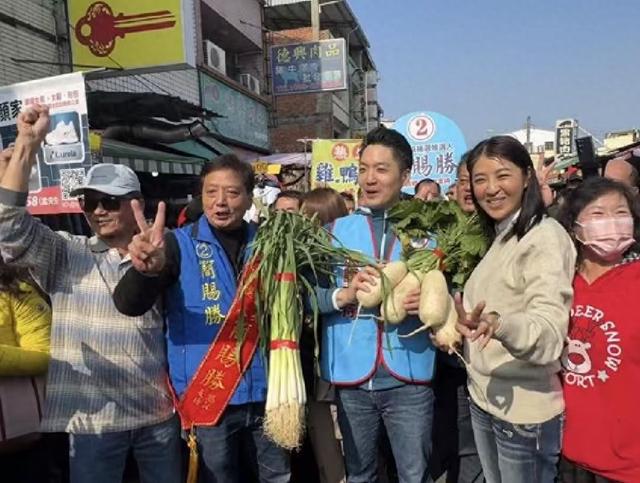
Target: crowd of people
[(118, 324)]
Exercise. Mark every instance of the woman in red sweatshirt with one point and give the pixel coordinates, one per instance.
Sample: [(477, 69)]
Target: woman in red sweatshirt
[(601, 362)]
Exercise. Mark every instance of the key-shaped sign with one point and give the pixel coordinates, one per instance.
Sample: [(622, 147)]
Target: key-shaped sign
[(99, 28)]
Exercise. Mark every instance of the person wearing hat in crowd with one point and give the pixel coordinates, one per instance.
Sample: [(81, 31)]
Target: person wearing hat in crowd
[(107, 379)]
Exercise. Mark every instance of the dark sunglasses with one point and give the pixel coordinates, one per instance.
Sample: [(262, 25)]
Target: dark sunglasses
[(108, 203)]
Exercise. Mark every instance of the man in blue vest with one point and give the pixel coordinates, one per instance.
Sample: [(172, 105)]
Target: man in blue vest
[(382, 378), (196, 269)]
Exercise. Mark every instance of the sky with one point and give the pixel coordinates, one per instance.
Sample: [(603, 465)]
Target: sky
[(488, 64)]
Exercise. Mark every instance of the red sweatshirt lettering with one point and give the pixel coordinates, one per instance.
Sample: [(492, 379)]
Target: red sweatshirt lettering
[(601, 375)]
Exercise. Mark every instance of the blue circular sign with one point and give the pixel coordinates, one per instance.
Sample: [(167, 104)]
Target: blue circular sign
[(437, 143)]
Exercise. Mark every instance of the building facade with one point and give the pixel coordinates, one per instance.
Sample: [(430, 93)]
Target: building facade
[(227, 77), (33, 40), (348, 113)]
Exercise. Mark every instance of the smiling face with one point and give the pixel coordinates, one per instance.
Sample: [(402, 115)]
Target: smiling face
[(463, 191), (498, 185), (115, 223), (380, 177), (610, 205), (225, 199)]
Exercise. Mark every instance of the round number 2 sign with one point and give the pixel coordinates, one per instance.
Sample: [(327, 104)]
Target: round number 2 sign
[(421, 128)]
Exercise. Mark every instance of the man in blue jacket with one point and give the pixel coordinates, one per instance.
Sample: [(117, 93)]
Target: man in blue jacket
[(382, 378), (196, 270)]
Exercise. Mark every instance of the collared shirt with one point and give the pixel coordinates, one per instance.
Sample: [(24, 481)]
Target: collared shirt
[(507, 222), (107, 371)]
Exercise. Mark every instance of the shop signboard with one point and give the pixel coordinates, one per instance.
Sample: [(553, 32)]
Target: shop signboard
[(309, 67), (121, 34), (243, 118), (334, 164), (566, 131)]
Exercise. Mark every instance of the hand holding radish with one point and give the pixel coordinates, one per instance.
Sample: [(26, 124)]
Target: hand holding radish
[(147, 247), (412, 302), (475, 325), (363, 281), (393, 273)]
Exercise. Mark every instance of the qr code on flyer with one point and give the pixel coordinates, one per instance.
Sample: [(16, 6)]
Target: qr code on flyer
[(70, 179)]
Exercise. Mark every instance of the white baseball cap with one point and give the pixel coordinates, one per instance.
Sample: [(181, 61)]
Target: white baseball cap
[(111, 179)]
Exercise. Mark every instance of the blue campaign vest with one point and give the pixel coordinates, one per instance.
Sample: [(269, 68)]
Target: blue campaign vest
[(195, 307), (353, 348)]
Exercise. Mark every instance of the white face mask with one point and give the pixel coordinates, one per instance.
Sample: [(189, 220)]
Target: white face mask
[(608, 238)]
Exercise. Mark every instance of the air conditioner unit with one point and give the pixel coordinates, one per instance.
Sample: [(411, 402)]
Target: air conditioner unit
[(215, 57), (250, 82)]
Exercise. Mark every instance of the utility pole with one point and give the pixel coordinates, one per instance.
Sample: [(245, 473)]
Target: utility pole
[(315, 19), (528, 127)]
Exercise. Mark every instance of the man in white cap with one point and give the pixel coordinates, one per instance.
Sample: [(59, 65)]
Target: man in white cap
[(107, 377)]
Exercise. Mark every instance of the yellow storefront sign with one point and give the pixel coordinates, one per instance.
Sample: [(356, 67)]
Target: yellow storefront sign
[(125, 34), (334, 164), (261, 167)]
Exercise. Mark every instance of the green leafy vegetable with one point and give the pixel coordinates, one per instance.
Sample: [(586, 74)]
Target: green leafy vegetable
[(461, 242)]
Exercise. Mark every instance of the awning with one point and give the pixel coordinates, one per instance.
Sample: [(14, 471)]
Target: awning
[(205, 147), (284, 159), (147, 160), (566, 162)]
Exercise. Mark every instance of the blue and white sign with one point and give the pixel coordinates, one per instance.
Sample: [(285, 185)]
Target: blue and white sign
[(309, 67), (437, 143)]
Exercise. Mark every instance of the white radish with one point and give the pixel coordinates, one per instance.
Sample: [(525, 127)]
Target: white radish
[(392, 309), (447, 335), (435, 301), (393, 274)]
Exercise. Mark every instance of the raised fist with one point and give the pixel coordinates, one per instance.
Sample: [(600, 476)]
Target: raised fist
[(33, 124)]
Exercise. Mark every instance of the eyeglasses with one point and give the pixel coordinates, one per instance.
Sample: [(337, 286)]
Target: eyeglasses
[(108, 203)]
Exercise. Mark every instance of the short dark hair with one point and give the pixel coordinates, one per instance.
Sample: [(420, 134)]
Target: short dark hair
[(393, 140), (532, 209), (230, 162), (463, 162), (590, 190), (427, 181), (347, 196), (293, 194)]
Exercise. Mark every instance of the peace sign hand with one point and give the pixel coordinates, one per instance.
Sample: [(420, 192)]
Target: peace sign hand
[(147, 247), (475, 326)]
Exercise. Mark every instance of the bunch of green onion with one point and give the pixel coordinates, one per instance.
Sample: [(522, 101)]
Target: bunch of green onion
[(293, 253)]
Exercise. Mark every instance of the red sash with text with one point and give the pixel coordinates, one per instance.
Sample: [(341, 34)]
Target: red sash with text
[(229, 356)]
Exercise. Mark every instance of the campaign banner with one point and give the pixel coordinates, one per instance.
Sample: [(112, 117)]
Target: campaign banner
[(309, 67), (437, 143), (64, 155), (334, 164)]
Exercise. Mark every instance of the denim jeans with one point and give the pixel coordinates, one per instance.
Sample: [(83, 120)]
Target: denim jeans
[(517, 453), (100, 458), (406, 413), (454, 448), (238, 437)]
